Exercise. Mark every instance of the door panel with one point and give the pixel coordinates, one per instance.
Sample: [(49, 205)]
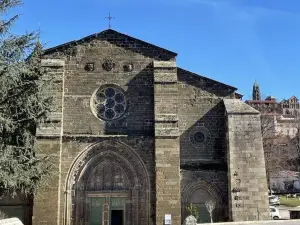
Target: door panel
[(95, 210), (106, 210)]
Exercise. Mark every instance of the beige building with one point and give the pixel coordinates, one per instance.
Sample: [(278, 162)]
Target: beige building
[(280, 129), (281, 117)]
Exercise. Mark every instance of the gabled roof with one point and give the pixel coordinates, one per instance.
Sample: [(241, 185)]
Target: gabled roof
[(205, 78), (112, 36), (293, 97)]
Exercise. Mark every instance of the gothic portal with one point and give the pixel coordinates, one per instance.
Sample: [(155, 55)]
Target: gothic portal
[(108, 185)]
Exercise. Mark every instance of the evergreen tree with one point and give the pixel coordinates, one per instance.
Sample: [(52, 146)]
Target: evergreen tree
[(24, 104)]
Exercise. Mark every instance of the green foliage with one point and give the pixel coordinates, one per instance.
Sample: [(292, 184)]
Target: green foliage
[(193, 210), (24, 104)]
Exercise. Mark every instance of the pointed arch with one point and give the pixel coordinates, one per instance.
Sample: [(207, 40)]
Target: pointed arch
[(130, 172), (199, 191)]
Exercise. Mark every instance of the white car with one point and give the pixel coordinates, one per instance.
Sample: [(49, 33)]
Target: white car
[(274, 200), (274, 213)]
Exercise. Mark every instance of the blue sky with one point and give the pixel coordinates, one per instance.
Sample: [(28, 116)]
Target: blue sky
[(232, 41)]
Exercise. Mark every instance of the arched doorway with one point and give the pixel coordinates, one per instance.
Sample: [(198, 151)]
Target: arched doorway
[(197, 193), (108, 185)]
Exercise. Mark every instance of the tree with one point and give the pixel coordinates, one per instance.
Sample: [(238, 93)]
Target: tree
[(24, 104), (210, 206), (193, 210), (281, 143)]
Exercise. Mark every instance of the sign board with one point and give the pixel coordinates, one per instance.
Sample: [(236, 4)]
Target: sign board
[(168, 219)]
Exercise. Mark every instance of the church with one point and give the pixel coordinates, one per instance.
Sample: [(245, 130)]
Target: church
[(137, 139)]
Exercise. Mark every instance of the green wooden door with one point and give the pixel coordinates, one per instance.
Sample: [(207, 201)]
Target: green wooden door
[(95, 210), (204, 216), (100, 210)]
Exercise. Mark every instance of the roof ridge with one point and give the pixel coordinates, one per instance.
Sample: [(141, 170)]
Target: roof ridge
[(204, 77), (95, 35)]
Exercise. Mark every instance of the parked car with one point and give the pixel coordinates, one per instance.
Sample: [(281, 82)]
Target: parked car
[(274, 200), (274, 213)]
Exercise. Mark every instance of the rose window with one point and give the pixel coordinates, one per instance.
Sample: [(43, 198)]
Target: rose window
[(199, 136), (109, 103)]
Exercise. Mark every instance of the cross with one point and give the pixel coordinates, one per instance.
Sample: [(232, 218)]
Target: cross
[(109, 19)]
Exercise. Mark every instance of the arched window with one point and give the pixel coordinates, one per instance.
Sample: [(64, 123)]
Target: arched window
[(197, 193)]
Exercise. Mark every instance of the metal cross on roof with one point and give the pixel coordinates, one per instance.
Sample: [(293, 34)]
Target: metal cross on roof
[(109, 19)]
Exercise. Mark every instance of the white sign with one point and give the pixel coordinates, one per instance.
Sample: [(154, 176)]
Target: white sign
[(168, 219)]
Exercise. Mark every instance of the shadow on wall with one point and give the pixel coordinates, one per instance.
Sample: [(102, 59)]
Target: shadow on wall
[(200, 100), (138, 120), (139, 116), (203, 144), (214, 88), (203, 153)]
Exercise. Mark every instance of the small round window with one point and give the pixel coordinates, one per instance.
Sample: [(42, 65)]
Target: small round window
[(109, 103), (199, 136)]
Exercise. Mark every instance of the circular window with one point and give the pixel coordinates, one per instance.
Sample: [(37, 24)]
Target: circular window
[(109, 103), (199, 136)]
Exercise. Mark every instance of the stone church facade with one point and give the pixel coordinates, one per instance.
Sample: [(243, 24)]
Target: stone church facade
[(136, 137)]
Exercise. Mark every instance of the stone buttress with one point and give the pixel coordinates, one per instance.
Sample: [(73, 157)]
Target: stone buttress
[(247, 183), (167, 148)]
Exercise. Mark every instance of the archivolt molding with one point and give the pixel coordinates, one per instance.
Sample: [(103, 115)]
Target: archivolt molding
[(212, 189), (126, 166), (120, 151), (87, 160)]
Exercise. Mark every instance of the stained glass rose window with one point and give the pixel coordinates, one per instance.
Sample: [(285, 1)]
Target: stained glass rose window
[(109, 103)]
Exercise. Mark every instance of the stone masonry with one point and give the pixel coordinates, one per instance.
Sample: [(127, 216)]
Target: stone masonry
[(248, 196), (133, 131), (167, 151)]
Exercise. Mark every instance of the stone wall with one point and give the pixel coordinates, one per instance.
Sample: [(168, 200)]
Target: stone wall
[(54, 70), (203, 163), (81, 128), (80, 84), (45, 207), (174, 119), (167, 149), (247, 190), (46, 201), (200, 108)]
